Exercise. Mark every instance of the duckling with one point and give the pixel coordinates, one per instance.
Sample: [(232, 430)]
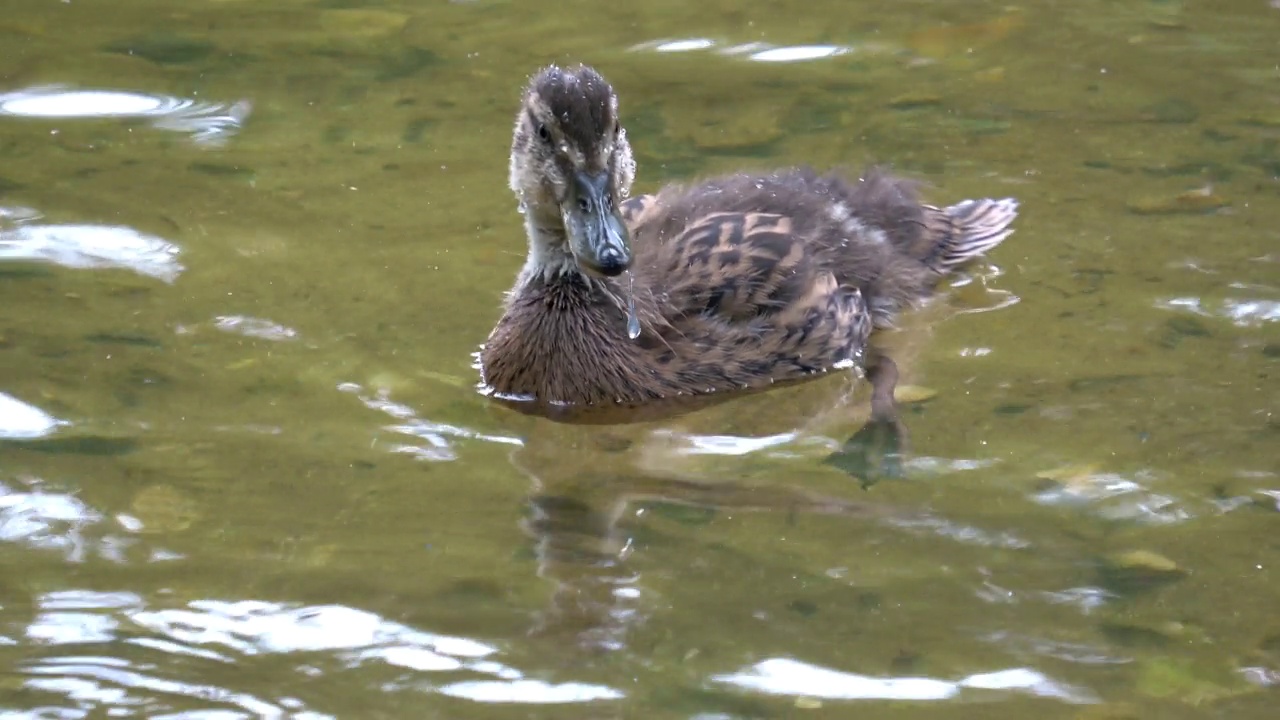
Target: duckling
[(721, 284)]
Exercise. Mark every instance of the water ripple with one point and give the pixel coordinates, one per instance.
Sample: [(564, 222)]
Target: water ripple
[(760, 51), (47, 520), (961, 533), (695, 444), (208, 123), (20, 421), (1242, 312), (1073, 652), (86, 246), (94, 682), (438, 437), (254, 328), (783, 676), (530, 692), (1085, 599), (225, 631), (1111, 496)]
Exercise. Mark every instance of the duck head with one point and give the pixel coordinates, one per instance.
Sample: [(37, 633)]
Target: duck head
[(570, 167)]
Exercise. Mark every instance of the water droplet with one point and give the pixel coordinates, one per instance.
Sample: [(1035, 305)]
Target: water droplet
[(633, 320)]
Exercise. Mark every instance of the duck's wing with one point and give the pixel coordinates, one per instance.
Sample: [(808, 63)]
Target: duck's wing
[(739, 265), (736, 265), (635, 211), (735, 279)]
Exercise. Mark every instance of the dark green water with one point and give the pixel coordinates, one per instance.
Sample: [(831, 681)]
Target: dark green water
[(276, 492)]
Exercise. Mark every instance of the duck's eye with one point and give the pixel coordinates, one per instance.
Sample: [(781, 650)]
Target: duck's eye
[(617, 127), (583, 205), (544, 133)]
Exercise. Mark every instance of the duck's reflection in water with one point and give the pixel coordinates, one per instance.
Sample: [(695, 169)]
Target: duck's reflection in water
[(591, 469)]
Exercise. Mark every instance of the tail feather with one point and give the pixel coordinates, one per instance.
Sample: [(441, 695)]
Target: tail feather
[(977, 226)]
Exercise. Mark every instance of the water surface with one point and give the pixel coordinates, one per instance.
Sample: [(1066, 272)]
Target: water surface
[(248, 248)]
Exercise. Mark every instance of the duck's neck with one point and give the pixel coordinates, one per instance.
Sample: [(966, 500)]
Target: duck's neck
[(550, 260), (550, 265), (549, 257)]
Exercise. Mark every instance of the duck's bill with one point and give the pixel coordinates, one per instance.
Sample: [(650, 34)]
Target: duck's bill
[(597, 235)]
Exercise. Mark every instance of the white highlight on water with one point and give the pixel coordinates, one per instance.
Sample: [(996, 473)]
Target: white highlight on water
[(208, 123)]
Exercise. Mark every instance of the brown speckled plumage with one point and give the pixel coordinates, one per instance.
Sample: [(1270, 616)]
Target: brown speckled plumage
[(738, 280)]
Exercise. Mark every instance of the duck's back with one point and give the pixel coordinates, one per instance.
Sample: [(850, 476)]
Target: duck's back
[(765, 240)]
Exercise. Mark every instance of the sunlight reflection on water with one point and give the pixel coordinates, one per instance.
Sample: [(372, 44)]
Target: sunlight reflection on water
[(782, 676), (1114, 496), (255, 328), (208, 123), (760, 51), (223, 631), (85, 246), (438, 437), (45, 521), (18, 420), (1242, 312)]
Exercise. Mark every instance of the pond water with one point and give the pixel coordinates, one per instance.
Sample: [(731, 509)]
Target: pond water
[(247, 250)]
